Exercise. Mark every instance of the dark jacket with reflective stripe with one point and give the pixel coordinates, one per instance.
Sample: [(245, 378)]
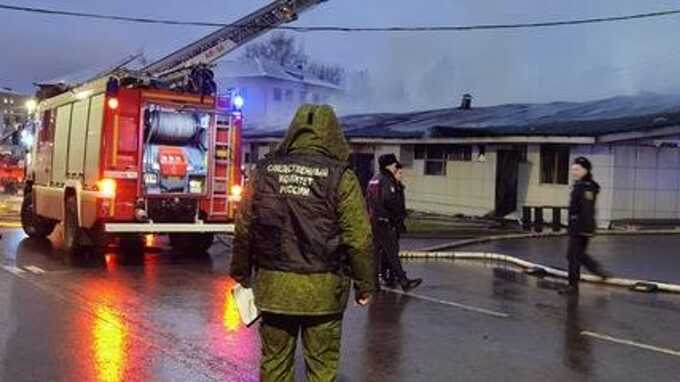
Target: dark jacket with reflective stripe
[(296, 225), (582, 207), (385, 199)]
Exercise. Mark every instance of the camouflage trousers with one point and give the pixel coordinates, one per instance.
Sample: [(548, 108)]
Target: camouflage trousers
[(320, 341)]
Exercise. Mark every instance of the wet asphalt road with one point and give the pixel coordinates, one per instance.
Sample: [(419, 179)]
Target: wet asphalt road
[(648, 257), (172, 319)]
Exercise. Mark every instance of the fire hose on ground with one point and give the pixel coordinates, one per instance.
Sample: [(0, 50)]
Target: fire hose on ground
[(539, 270)]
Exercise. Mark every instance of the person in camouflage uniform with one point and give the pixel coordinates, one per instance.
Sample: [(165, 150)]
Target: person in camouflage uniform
[(303, 234)]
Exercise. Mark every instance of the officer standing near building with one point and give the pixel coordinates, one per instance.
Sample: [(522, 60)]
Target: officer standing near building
[(303, 234), (387, 207), (582, 225)]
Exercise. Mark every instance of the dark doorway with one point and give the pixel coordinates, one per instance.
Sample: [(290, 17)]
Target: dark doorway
[(363, 165), (507, 172)]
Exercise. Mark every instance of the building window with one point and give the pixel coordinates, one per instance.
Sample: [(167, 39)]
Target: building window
[(5, 100), (554, 164), (406, 154), (436, 156), (435, 167), (289, 95), (435, 160), (278, 94), (459, 153), (317, 98), (420, 152)]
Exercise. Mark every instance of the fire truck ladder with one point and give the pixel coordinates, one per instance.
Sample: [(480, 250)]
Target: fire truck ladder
[(223, 167), (217, 44)]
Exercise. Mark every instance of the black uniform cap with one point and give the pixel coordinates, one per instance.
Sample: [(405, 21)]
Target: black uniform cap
[(584, 162), (387, 160)]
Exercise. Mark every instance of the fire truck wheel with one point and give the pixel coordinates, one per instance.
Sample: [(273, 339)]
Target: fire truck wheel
[(34, 225), (131, 249), (196, 244)]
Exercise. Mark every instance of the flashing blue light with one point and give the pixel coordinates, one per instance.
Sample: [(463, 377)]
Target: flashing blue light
[(27, 138), (238, 102)]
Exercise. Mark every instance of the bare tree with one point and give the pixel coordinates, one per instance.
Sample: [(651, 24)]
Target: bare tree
[(334, 74), (280, 48), (284, 49)]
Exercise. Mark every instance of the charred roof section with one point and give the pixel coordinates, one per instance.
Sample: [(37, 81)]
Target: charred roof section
[(567, 119)]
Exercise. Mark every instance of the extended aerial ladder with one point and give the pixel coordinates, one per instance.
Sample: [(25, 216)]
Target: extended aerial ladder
[(180, 65), (215, 45)]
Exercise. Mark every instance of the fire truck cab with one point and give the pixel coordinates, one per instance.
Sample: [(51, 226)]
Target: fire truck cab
[(114, 162)]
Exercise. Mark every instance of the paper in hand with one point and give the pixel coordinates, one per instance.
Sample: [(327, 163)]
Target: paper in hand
[(245, 302)]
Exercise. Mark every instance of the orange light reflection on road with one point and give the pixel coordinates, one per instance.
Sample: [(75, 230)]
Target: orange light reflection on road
[(232, 318), (149, 239), (229, 338), (110, 337)]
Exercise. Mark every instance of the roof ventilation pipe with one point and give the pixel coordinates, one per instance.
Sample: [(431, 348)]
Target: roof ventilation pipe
[(466, 102)]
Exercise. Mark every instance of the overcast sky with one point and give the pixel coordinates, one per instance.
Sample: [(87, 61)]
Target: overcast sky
[(534, 65)]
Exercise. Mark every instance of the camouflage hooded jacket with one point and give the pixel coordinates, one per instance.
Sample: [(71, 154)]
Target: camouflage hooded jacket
[(316, 293)]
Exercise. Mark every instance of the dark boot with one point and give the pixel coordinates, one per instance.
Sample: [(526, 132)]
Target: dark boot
[(409, 284), (595, 267)]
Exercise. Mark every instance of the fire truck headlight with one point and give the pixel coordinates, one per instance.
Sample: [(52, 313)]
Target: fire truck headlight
[(239, 102), (107, 188), (113, 103), (236, 191)]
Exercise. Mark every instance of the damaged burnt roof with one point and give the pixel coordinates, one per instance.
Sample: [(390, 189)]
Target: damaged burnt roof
[(566, 119)]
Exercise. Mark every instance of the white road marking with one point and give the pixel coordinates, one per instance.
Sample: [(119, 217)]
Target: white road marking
[(34, 269), (639, 345), (450, 303), (13, 269)]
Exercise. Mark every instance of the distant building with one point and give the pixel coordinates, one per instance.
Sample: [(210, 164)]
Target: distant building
[(12, 108), (272, 93), (495, 160)]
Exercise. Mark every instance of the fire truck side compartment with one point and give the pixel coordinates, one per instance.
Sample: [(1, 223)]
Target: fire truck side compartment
[(94, 140), (59, 156), (77, 135)]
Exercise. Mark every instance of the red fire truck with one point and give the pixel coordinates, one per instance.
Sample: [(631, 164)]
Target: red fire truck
[(135, 152)]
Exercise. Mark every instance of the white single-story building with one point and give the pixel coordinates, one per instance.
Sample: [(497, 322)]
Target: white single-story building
[(496, 160), (272, 92)]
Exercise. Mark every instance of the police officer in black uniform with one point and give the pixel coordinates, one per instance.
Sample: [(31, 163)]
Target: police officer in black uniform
[(581, 223), (387, 207)]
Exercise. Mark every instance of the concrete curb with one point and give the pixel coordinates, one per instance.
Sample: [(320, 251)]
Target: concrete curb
[(486, 239), (542, 270)]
